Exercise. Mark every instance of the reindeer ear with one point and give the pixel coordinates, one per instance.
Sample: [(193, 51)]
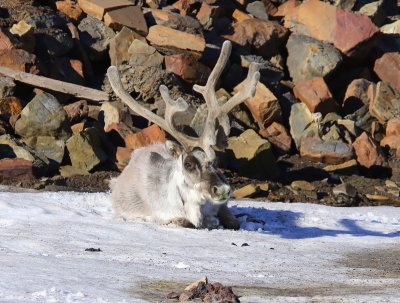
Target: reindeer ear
[(174, 149)]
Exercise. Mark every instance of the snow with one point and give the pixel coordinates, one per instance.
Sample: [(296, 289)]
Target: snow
[(284, 252)]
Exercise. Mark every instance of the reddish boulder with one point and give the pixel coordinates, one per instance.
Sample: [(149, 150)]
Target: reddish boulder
[(19, 59), (71, 9), (16, 168), (356, 95), (123, 156), (188, 68), (368, 153), (129, 16), (6, 40), (286, 8), (392, 139), (147, 136), (278, 136), (387, 68)]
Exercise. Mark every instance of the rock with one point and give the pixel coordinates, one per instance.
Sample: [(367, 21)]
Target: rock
[(50, 147), (206, 15), (19, 59), (95, 36), (16, 168), (110, 113), (302, 123), (286, 8), (149, 135), (68, 171), (264, 106), (123, 156), (257, 9), (263, 37), (391, 28), (345, 189), (345, 168), (43, 116), (316, 95), (356, 95), (70, 9), (144, 55), (302, 185), (352, 34), (251, 155), (187, 68), (85, 149), (384, 102), (330, 152), (245, 191), (186, 296), (7, 41), (7, 86), (368, 153), (130, 16), (392, 138), (164, 36), (375, 11), (278, 136), (346, 5), (238, 16), (309, 58), (77, 111), (26, 36), (197, 283), (9, 106), (387, 68), (97, 8), (119, 46)]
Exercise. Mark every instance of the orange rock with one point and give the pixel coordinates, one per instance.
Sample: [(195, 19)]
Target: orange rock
[(6, 40), (278, 136), (19, 59), (188, 68), (16, 168), (368, 152), (264, 106), (130, 16), (123, 156), (78, 127), (147, 136), (165, 36), (387, 68), (183, 6), (238, 15), (207, 13), (356, 95), (393, 127), (77, 66), (270, 8), (10, 106), (286, 8), (97, 8), (71, 9), (345, 30), (316, 95)]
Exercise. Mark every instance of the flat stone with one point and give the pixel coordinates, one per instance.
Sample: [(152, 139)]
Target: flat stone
[(68, 171), (309, 58), (187, 68), (16, 168), (70, 9), (20, 60), (149, 135), (345, 189), (345, 168), (245, 191), (377, 197), (387, 68), (368, 153), (43, 116), (356, 95), (7, 86), (11, 147), (165, 36), (238, 15), (97, 8), (143, 54), (330, 152), (264, 106), (286, 8), (302, 185), (26, 35), (130, 16), (384, 102), (278, 136), (85, 149), (391, 28), (257, 9), (316, 95), (352, 34), (302, 123), (263, 37)]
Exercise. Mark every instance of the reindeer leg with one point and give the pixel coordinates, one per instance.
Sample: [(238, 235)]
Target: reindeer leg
[(182, 222), (227, 219)]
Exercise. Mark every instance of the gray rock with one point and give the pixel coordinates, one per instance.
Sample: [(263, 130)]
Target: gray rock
[(50, 147), (302, 123), (48, 20), (43, 116), (331, 152), (309, 58), (251, 155), (143, 54), (257, 9), (385, 102), (7, 86), (345, 189), (85, 149), (120, 44), (95, 36)]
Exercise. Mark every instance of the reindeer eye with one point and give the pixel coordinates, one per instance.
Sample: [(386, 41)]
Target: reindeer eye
[(189, 166)]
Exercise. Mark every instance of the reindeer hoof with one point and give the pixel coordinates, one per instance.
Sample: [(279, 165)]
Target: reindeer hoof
[(182, 222)]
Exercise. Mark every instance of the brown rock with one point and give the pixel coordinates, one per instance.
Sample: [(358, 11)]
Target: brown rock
[(356, 95), (239, 16), (147, 136), (245, 191), (97, 8), (77, 111), (165, 36), (10, 106), (264, 106), (346, 168), (188, 68), (316, 95), (270, 8), (330, 152), (78, 127), (130, 16), (123, 156), (392, 138), (207, 13), (184, 6), (6, 40), (120, 130), (16, 168), (286, 8), (265, 37), (278, 136), (384, 102), (387, 68), (19, 59), (368, 152), (26, 35), (119, 46), (71, 9), (346, 31)]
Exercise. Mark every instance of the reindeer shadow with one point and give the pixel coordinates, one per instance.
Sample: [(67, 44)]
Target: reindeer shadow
[(285, 224)]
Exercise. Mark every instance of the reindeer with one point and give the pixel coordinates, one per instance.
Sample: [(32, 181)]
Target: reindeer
[(179, 183)]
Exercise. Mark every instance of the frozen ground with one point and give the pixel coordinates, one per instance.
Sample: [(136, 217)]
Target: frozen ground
[(294, 253)]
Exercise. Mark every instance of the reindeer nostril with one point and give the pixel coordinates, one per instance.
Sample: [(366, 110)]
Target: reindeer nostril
[(214, 190)]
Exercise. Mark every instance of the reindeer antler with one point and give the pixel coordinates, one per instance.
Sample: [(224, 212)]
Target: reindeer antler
[(217, 120)]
